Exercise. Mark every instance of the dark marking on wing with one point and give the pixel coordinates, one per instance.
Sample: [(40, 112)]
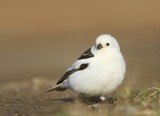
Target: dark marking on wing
[(83, 66), (67, 74), (87, 54)]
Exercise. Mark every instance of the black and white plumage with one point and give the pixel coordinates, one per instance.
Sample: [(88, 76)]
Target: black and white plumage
[(87, 54), (98, 71)]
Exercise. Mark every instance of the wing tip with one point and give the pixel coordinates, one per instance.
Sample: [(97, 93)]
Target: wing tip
[(53, 88)]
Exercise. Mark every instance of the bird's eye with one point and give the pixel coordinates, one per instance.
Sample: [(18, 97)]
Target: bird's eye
[(99, 46), (107, 44)]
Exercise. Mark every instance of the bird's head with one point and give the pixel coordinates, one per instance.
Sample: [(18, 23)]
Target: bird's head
[(106, 42)]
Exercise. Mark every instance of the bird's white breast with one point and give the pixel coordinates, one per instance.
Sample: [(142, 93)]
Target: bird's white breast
[(102, 76)]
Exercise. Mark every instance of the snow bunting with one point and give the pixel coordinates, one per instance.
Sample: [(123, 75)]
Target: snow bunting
[(98, 71)]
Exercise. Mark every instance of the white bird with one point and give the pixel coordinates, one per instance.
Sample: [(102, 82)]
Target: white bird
[(98, 71)]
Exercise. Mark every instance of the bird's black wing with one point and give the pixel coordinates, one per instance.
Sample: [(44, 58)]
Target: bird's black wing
[(87, 54), (68, 73)]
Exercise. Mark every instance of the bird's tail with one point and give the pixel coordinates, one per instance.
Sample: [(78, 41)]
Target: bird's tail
[(56, 87)]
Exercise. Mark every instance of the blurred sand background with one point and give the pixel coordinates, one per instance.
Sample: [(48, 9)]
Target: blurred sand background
[(43, 38)]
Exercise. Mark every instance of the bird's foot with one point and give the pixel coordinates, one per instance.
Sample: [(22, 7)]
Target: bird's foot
[(89, 100), (102, 98), (110, 100)]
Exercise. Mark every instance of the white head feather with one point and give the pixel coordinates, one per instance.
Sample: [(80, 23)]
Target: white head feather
[(107, 41)]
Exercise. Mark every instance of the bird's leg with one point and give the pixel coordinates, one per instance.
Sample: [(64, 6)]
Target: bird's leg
[(84, 98), (89, 99), (102, 98), (81, 95)]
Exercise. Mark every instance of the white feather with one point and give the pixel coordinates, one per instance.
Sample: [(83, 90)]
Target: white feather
[(105, 72)]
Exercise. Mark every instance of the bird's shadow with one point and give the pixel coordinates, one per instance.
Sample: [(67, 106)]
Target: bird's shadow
[(68, 99), (95, 100), (88, 101)]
